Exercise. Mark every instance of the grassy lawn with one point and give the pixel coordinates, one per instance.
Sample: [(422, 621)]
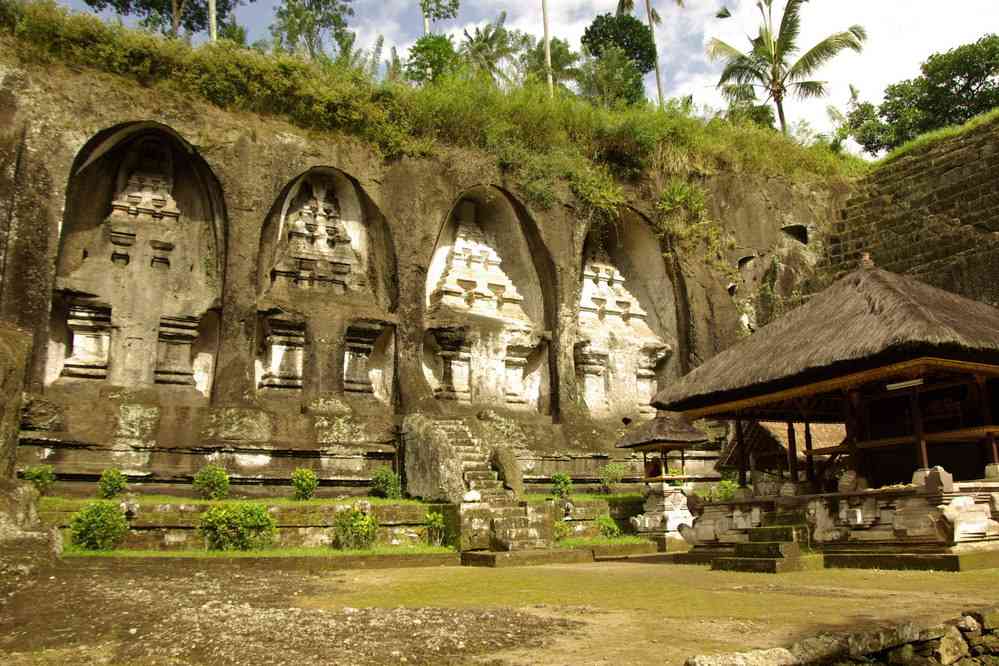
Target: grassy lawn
[(661, 613), (74, 503), (74, 551), (589, 542)]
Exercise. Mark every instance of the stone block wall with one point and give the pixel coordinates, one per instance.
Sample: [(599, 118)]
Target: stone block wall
[(933, 214)]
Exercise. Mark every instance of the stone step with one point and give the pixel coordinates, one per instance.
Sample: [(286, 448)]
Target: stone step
[(767, 549), (786, 533), (481, 474), (518, 534), (526, 544), (767, 565), (485, 484), (514, 522), (474, 467), (781, 518)]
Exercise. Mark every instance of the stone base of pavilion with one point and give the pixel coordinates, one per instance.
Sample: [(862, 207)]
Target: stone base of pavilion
[(932, 523)]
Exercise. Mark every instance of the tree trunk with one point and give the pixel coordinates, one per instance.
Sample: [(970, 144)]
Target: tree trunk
[(175, 10), (212, 21), (426, 22), (659, 76), (780, 114), (548, 50)]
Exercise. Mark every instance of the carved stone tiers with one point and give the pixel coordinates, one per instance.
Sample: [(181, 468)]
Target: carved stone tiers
[(456, 373)]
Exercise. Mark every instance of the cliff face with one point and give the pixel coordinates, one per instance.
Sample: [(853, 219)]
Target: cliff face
[(208, 285)]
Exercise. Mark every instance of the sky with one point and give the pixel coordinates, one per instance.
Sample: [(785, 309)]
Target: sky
[(901, 35)]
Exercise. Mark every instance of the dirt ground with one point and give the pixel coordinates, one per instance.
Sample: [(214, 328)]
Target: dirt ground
[(130, 612)]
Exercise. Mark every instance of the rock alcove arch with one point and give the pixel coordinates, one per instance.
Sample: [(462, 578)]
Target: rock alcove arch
[(326, 295), (487, 310), (139, 275), (627, 321)]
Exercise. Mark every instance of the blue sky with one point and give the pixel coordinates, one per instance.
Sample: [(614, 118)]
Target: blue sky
[(903, 33)]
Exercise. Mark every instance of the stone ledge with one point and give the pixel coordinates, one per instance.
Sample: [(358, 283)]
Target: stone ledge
[(289, 563), (523, 558)]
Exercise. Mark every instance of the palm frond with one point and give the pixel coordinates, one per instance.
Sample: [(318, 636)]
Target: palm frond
[(807, 89), (826, 50), (790, 29), (625, 6), (723, 13), (719, 50)]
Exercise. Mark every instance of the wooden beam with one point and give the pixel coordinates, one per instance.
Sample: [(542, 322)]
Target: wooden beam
[(916, 414), (743, 453), (908, 369), (810, 462), (792, 452)]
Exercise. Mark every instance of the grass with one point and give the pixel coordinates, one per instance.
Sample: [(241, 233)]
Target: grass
[(926, 141), (74, 503), (580, 542), (74, 551), (542, 145)]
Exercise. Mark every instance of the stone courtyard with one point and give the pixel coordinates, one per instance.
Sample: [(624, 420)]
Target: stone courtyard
[(104, 611)]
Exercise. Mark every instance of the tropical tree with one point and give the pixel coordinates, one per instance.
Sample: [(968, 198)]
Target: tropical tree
[(169, 16), (952, 88), (305, 26), (492, 49), (766, 65), (563, 60), (431, 57), (437, 10), (628, 6), (611, 79), (625, 33)]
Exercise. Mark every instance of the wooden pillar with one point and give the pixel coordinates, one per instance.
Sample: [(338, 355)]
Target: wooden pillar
[(810, 463), (792, 452), (986, 402), (743, 453), (917, 429), (852, 431)]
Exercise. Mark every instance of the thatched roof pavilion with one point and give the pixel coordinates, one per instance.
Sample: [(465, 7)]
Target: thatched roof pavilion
[(883, 353), (663, 435)]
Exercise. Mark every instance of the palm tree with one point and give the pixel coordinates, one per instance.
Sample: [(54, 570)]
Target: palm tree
[(766, 67), (548, 49), (628, 6), (488, 49)]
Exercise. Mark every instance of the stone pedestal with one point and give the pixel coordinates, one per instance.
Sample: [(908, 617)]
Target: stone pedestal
[(455, 355), (591, 371), (173, 353), (91, 329), (652, 354), (285, 357), (516, 363), (359, 343), (665, 511)]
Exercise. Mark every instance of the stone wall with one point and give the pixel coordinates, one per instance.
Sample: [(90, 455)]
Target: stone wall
[(933, 214), (211, 286), (15, 347), (971, 640)]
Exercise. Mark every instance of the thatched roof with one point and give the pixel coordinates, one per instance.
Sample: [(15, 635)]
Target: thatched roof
[(865, 319), (664, 429), (769, 438)]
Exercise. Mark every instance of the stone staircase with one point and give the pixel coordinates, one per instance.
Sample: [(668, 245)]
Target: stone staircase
[(781, 545), (515, 525)]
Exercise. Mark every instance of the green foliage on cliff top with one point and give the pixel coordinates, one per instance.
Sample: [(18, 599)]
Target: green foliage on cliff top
[(539, 142), (926, 141)]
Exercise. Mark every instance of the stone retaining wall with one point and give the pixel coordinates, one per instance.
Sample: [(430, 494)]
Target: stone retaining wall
[(971, 640), (933, 214)]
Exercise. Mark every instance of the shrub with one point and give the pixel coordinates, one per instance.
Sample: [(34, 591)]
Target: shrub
[(386, 483), (237, 527), (354, 530), (305, 483), (42, 476), (212, 482), (561, 485), (725, 490), (608, 528), (99, 526), (611, 474), (436, 528), (112, 483), (561, 530)]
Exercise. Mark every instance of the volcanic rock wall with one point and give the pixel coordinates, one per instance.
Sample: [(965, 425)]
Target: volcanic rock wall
[(212, 286)]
